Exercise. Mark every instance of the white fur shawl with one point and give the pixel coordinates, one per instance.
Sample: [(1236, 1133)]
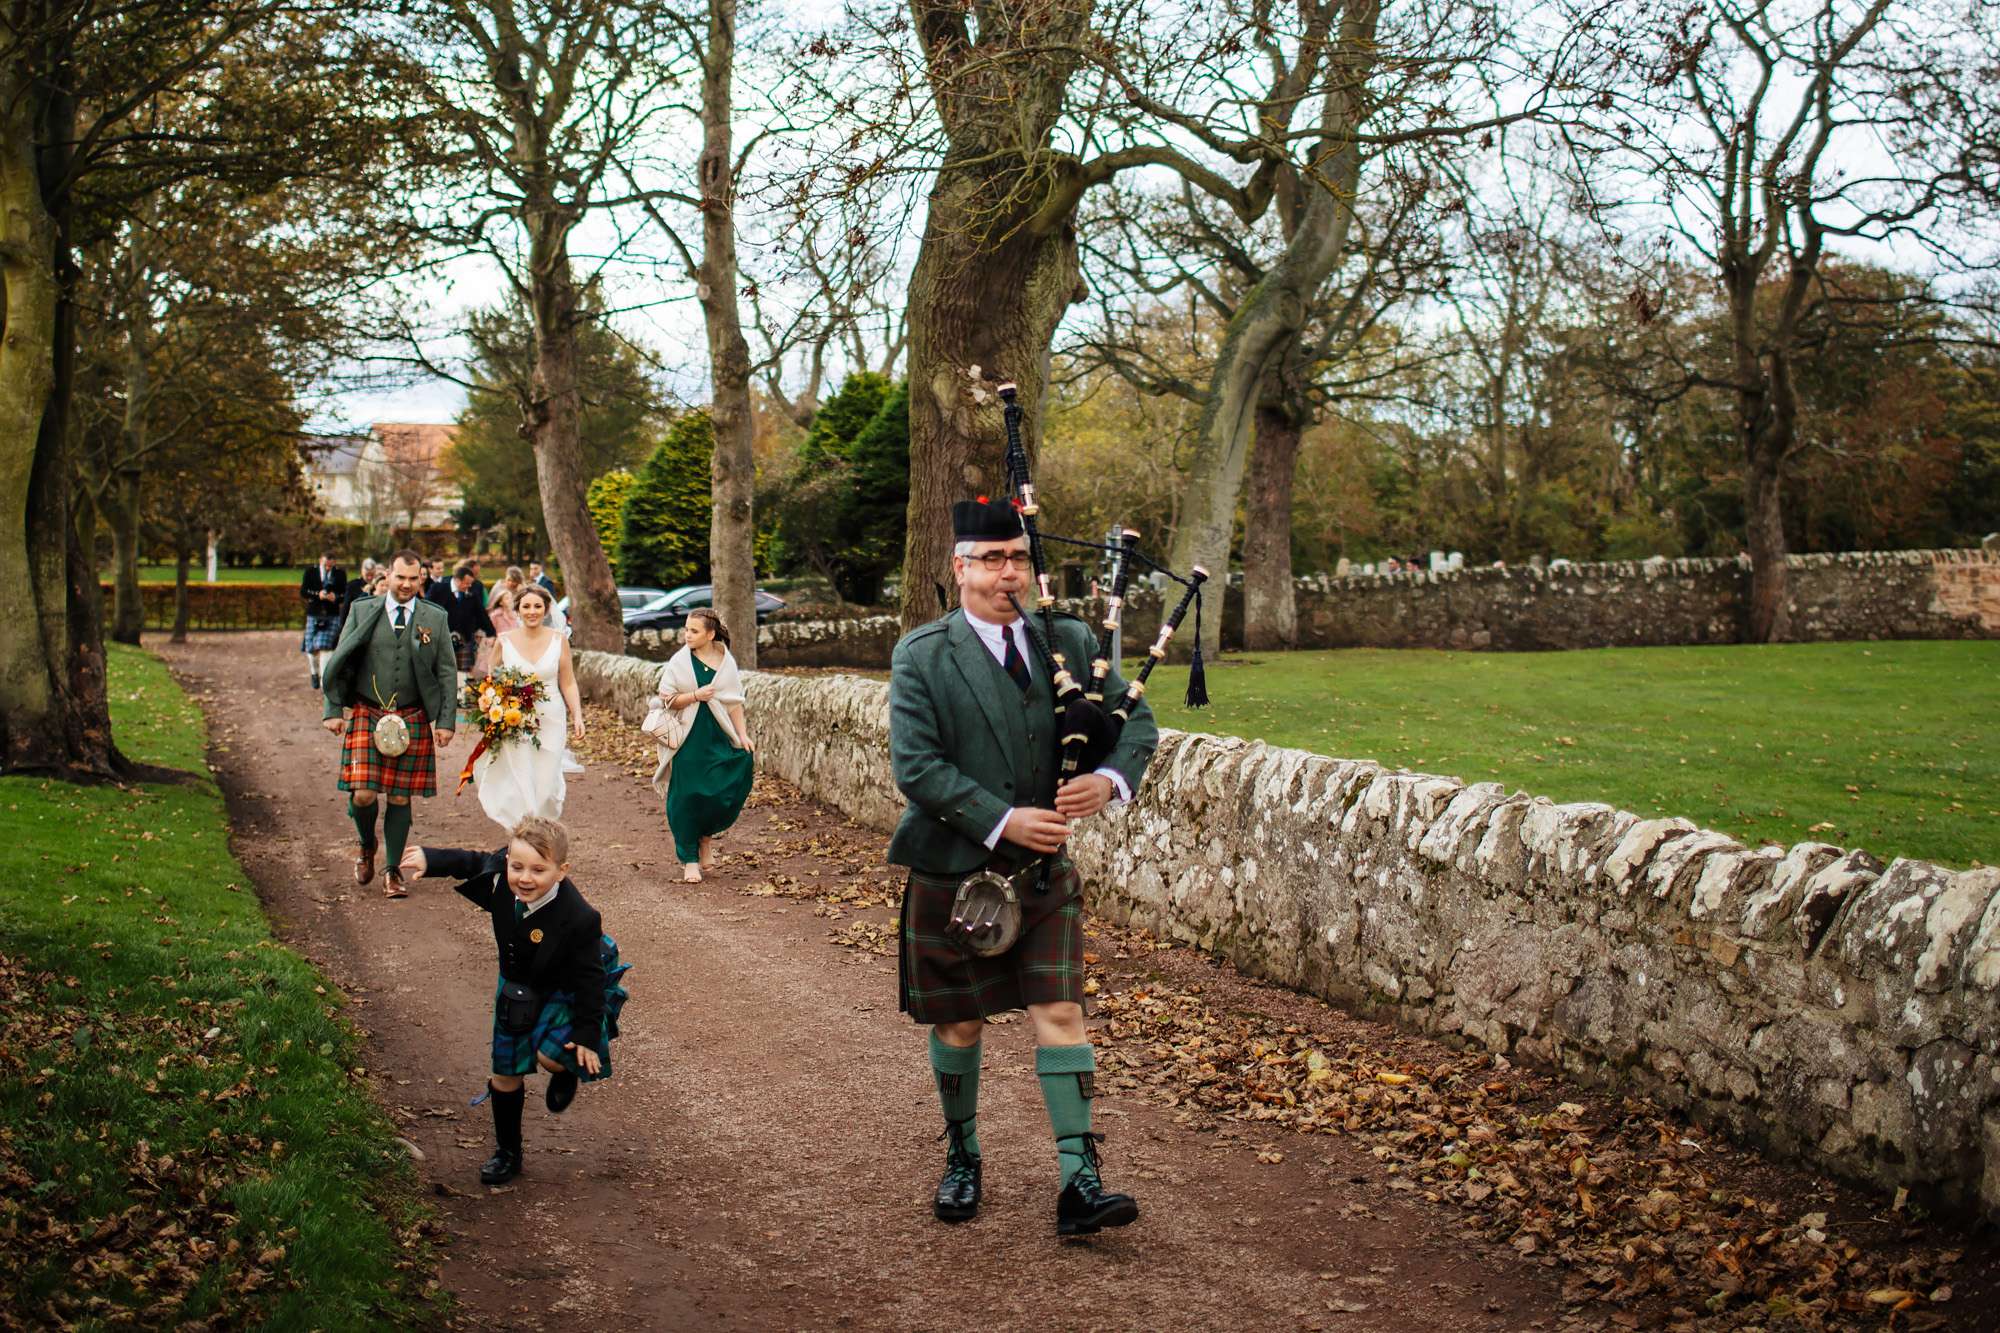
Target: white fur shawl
[(677, 677)]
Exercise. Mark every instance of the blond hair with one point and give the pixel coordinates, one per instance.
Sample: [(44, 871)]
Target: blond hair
[(546, 836)]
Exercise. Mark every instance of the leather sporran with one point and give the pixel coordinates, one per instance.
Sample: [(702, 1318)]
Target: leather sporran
[(992, 909), (391, 734), (519, 1007)]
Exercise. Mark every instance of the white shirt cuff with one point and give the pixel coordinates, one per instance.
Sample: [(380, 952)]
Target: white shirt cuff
[(993, 838), (1120, 793)]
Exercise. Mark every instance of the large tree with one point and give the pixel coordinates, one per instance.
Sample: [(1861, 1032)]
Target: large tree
[(1771, 134), (76, 77), (555, 114)]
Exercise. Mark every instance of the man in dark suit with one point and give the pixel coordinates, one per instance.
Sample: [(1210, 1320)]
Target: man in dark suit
[(323, 588), (536, 574), (465, 606), (973, 746)]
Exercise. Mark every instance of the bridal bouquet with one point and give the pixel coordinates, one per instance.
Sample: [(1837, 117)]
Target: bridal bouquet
[(503, 704)]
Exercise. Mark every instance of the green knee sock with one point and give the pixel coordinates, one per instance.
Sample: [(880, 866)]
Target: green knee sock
[(364, 822), (1068, 1077), (396, 832), (957, 1069)]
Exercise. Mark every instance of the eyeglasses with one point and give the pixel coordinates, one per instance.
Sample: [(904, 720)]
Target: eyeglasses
[(995, 561)]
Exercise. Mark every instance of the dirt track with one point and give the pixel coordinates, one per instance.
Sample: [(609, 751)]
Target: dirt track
[(764, 1155)]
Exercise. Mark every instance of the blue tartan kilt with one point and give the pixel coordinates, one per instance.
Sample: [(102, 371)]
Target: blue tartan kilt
[(515, 1052), (322, 633)]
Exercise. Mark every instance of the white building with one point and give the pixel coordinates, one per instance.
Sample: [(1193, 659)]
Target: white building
[(385, 477)]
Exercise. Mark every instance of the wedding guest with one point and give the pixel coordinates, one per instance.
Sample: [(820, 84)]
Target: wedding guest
[(709, 772), (323, 588), (557, 1003), (501, 609), (536, 574), (466, 609)]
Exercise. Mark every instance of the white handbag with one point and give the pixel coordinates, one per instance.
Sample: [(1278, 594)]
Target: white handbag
[(668, 726)]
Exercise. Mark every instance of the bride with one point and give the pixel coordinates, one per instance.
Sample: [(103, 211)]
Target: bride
[(520, 778)]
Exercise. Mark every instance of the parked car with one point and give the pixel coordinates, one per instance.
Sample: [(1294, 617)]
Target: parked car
[(631, 601), (672, 611)]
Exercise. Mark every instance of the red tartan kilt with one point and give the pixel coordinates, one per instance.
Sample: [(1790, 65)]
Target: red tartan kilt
[(365, 768)]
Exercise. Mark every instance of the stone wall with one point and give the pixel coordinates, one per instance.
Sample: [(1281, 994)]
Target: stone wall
[(1811, 1000), (1850, 595), (865, 641)]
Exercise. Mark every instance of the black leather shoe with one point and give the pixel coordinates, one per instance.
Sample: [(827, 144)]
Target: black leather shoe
[(315, 676), (562, 1091), (957, 1198), (500, 1168), (1085, 1205)]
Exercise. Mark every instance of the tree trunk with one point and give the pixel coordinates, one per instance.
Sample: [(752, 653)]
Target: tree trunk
[(1270, 616), (128, 617), (552, 429), (29, 702), (732, 559), (1272, 313), (183, 557), (982, 308)]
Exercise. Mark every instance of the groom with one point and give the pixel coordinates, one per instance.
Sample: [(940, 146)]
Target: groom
[(394, 657)]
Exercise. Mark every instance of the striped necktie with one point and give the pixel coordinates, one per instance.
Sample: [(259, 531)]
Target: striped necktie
[(1017, 666)]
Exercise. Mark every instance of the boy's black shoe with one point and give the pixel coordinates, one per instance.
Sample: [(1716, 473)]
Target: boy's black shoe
[(562, 1091), (500, 1168), (315, 676), (957, 1198)]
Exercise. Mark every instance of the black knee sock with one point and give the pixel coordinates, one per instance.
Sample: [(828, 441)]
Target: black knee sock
[(507, 1116), (364, 821)]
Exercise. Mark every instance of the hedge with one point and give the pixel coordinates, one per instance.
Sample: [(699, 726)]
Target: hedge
[(222, 605)]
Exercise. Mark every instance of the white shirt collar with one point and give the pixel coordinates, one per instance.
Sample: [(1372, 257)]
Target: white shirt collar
[(995, 636), (543, 901)]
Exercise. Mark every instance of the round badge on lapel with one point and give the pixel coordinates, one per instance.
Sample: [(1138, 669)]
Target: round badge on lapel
[(535, 936)]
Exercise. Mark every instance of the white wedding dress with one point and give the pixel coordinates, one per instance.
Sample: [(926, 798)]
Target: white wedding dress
[(520, 778)]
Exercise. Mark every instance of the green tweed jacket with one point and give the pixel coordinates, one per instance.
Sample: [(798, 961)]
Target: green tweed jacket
[(963, 748), (363, 661)]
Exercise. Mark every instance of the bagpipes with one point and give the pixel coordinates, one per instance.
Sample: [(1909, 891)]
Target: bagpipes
[(1089, 730)]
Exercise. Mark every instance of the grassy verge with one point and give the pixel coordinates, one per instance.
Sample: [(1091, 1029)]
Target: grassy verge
[(182, 1135), (1894, 747)]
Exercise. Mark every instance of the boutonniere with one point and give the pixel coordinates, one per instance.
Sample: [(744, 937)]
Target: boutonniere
[(535, 935), (423, 635)]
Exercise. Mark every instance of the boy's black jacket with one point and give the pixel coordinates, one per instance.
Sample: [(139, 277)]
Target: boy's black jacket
[(566, 958)]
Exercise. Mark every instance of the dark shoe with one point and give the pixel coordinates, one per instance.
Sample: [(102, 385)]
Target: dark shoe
[(957, 1197), (1085, 1205), (315, 676), (364, 867), (562, 1091), (500, 1168)]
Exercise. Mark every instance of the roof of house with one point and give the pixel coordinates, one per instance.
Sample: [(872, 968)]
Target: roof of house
[(423, 438)]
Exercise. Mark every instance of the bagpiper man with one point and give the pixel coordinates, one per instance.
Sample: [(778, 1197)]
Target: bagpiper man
[(973, 746), (395, 674)]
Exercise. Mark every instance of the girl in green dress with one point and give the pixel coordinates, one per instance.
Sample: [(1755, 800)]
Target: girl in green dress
[(710, 777)]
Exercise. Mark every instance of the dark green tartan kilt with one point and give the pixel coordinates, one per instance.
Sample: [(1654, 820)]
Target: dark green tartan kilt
[(940, 984), (514, 1052), (365, 768)]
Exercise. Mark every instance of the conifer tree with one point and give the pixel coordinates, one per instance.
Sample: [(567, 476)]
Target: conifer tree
[(663, 536)]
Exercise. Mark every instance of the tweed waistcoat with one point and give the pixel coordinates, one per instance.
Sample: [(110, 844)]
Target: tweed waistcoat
[(387, 668)]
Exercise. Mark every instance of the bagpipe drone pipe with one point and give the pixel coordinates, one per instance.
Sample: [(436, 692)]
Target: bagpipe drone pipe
[(1088, 728)]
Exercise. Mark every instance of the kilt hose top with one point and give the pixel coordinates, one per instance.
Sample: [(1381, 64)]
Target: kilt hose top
[(966, 746)]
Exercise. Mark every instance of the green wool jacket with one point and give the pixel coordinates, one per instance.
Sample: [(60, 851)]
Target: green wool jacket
[(965, 746), (371, 665)]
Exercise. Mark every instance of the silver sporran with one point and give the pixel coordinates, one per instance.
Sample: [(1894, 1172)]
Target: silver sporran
[(391, 734), (986, 914)]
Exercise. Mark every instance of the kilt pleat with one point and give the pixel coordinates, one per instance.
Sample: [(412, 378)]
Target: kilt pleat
[(365, 768), (515, 1052), (941, 984)]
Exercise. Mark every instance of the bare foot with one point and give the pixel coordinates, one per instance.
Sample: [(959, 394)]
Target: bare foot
[(691, 874), (708, 853)]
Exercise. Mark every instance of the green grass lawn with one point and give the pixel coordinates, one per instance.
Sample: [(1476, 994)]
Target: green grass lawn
[(223, 574), (1894, 747), (183, 1134)]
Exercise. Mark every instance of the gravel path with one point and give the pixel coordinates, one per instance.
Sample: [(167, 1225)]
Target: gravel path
[(763, 1157)]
